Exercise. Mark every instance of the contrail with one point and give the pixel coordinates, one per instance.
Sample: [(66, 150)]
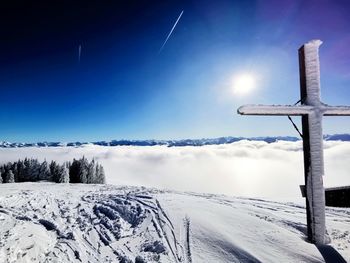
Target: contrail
[(171, 31), (79, 52)]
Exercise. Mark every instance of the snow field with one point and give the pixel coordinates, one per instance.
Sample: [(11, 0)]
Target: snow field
[(47, 222)]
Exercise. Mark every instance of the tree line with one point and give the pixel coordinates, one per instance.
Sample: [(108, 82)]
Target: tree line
[(32, 170)]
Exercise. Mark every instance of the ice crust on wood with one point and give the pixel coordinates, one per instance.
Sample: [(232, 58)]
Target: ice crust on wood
[(277, 110), (315, 190), (283, 110), (336, 110), (312, 73)]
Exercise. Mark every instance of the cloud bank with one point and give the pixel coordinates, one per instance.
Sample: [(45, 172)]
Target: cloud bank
[(244, 168)]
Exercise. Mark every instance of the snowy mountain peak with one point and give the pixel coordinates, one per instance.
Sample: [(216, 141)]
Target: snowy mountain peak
[(169, 143)]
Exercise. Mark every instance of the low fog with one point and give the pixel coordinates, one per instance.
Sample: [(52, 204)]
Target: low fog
[(245, 168)]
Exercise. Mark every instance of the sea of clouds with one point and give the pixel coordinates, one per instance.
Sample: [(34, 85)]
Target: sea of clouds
[(244, 168)]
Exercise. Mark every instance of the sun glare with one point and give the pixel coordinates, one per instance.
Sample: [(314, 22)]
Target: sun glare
[(243, 84)]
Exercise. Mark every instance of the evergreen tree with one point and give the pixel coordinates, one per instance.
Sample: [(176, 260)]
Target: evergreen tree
[(14, 170), (101, 179), (5, 176), (54, 172), (2, 173), (26, 170), (83, 170), (91, 174), (63, 174), (20, 171), (74, 172), (10, 177), (0, 177), (44, 172), (34, 170)]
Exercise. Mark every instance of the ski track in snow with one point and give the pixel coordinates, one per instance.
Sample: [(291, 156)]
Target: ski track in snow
[(186, 242), (44, 222)]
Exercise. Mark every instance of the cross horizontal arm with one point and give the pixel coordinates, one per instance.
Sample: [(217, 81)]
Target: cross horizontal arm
[(275, 110), (337, 111)]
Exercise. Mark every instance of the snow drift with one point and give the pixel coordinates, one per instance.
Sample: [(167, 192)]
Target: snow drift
[(46, 222)]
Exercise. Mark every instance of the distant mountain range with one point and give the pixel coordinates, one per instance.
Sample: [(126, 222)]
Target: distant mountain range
[(169, 143)]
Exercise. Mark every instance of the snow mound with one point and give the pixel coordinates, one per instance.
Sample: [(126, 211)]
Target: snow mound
[(44, 222)]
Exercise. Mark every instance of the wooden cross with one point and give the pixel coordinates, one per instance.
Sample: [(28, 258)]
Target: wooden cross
[(311, 110)]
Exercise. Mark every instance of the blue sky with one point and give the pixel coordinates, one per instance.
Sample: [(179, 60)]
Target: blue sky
[(123, 88)]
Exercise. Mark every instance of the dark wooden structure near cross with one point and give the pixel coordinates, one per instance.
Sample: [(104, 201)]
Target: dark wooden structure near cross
[(338, 196)]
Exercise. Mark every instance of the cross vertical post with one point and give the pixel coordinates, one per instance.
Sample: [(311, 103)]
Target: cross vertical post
[(313, 142)]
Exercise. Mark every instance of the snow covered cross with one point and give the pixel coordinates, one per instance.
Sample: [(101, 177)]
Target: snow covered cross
[(311, 110)]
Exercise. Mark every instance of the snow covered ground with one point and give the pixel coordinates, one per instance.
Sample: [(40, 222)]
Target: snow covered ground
[(46, 222)]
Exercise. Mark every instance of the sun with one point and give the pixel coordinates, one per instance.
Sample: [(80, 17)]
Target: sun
[(243, 84)]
